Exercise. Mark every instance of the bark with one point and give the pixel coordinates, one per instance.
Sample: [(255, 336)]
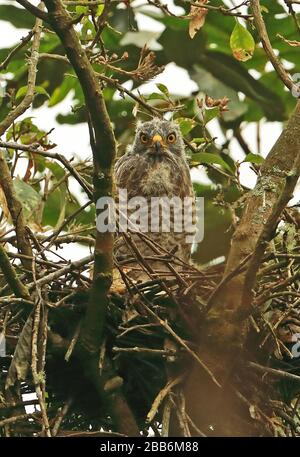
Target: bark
[(224, 332), (104, 152)]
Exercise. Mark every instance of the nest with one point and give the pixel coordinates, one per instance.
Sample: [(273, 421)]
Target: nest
[(152, 332)]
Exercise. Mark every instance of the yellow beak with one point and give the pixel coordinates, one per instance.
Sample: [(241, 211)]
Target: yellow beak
[(158, 139)]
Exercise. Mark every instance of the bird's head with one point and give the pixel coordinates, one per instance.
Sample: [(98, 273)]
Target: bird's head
[(158, 138)]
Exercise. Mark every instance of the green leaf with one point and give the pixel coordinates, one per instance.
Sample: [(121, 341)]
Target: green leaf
[(230, 72), (264, 9), (88, 29), (254, 158), (156, 96), (41, 90), (29, 198), (211, 113), (198, 140), (81, 9), (185, 125), (62, 91), (38, 90), (57, 170), (242, 43), (163, 89), (18, 17), (100, 10), (206, 157)]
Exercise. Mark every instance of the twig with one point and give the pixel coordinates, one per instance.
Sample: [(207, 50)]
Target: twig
[(34, 10), (18, 288), (14, 51), (161, 396), (48, 279), (274, 372), (60, 416), (263, 34), (52, 155), (177, 338), (38, 376), (32, 66), (141, 350)]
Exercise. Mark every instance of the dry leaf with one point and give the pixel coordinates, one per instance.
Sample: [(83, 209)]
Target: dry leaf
[(20, 363), (197, 18)]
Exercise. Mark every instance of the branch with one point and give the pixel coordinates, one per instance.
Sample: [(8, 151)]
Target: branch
[(276, 373), (16, 211), (33, 10), (24, 41), (216, 9), (32, 65), (263, 34), (6, 182), (18, 288), (53, 155), (265, 236), (101, 22), (263, 207), (103, 155), (48, 279)]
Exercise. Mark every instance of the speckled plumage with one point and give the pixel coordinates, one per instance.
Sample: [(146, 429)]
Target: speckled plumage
[(145, 172)]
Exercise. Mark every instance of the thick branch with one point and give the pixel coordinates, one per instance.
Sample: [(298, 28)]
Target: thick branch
[(33, 10), (6, 182), (16, 211), (262, 203), (104, 152)]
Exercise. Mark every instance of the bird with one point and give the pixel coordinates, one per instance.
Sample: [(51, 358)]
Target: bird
[(155, 166)]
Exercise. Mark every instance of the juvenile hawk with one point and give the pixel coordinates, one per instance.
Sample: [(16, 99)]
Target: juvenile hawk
[(155, 166)]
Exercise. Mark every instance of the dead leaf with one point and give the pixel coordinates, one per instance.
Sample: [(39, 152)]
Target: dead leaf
[(197, 18), (21, 361)]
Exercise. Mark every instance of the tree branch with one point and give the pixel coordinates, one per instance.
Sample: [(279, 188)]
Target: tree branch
[(53, 155), (263, 34), (103, 155), (24, 41), (6, 182), (263, 205), (11, 277), (33, 10), (16, 211)]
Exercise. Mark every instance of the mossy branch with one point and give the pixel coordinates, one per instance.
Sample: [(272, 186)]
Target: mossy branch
[(262, 203), (104, 152), (10, 275), (6, 182)]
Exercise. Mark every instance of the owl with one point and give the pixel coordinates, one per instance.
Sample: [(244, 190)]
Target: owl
[(155, 174)]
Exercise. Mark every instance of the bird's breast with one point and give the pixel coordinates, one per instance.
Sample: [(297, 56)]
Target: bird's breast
[(158, 179)]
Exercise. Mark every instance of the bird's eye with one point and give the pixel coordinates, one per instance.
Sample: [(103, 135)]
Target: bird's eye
[(144, 138), (171, 137)]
